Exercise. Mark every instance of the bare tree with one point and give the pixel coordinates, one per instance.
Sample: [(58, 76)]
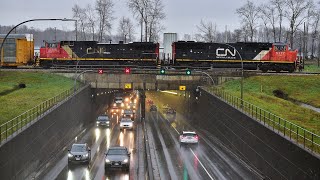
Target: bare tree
[(104, 11), (207, 30), (155, 14), (280, 6), (315, 33), (249, 14), (80, 15), (268, 14), (149, 12), (125, 29), (296, 14), (187, 37), (91, 18)]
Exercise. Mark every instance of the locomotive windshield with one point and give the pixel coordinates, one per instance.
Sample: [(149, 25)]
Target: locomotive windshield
[(279, 47)]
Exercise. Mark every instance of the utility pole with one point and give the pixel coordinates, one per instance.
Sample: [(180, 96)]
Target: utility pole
[(304, 44), (55, 33)]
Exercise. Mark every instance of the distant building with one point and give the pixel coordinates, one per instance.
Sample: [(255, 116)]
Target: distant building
[(168, 39)]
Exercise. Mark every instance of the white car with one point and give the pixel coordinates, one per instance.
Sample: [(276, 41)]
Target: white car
[(118, 100), (189, 137), (126, 123)]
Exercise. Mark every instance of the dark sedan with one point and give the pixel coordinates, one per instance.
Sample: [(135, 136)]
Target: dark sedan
[(117, 157)]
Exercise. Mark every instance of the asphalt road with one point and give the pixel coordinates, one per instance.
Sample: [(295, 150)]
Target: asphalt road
[(208, 160), (99, 139)]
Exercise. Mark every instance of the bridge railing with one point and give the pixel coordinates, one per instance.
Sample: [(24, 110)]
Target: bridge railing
[(303, 137), (24, 120)]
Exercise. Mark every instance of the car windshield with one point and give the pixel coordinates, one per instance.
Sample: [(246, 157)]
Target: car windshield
[(117, 152), (103, 118), (78, 148)]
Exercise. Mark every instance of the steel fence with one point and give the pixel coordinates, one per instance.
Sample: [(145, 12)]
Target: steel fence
[(305, 138), (24, 120)]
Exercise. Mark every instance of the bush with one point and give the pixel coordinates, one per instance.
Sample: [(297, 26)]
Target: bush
[(22, 85), (280, 94)]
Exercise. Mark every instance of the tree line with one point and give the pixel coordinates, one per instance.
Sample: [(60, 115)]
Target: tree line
[(95, 22), (295, 22)]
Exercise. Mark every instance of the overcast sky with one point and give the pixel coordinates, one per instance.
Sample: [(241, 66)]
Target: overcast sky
[(182, 15)]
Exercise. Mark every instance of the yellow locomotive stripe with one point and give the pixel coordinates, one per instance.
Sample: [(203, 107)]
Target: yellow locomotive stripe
[(94, 59), (234, 61)]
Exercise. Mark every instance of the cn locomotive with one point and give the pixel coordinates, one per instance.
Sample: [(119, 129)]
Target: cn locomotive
[(251, 55), (94, 53)]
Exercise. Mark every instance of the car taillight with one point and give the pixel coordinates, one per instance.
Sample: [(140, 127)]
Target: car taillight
[(197, 137)]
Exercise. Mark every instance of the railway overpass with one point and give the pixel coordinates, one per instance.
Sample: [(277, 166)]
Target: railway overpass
[(150, 79)]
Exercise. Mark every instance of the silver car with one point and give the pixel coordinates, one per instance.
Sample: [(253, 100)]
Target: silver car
[(79, 153), (117, 157)]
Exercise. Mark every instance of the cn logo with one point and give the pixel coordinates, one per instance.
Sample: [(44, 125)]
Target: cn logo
[(100, 71), (222, 52)]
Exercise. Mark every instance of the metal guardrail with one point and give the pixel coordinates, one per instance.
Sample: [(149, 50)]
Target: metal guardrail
[(305, 138), (17, 124)]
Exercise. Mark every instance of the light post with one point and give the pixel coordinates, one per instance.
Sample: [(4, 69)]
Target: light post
[(207, 75), (241, 83), (31, 20), (75, 80)]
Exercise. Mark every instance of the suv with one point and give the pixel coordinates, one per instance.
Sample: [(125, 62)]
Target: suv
[(79, 153), (103, 120), (117, 157), (188, 137)]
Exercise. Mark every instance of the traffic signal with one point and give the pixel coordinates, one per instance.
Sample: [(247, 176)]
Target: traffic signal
[(188, 72), (162, 71), (100, 71), (127, 70)]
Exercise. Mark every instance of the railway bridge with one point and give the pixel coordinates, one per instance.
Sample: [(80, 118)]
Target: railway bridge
[(150, 79)]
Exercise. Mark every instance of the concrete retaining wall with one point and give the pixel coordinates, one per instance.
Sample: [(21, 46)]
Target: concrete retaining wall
[(27, 152), (273, 155)]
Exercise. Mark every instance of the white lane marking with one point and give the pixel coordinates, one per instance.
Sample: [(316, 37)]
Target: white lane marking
[(195, 156), (201, 164)]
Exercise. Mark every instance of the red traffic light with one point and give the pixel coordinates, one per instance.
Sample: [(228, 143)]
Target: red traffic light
[(100, 71), (127, 70)]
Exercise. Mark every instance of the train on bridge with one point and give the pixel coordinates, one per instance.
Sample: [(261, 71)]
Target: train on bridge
[(185, 54)]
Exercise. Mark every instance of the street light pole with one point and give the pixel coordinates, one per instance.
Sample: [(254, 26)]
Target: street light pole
[(241, 82), (64, 19)]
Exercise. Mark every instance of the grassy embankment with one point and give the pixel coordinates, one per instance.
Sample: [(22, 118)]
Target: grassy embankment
[(39, 88), (259, 91), (312, 66)]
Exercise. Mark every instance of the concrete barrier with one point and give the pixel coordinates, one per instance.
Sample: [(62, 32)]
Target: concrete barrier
[(274, 156), (25, 154)]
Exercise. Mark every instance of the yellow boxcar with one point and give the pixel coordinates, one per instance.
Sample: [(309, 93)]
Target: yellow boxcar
[(18, 50)]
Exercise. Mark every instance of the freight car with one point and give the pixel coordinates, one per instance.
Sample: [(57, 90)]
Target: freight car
[(18, 49), (253, 55), (94, 53)]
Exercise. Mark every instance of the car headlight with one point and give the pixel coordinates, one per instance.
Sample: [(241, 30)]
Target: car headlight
[(86, 155), (98, 122), (122, 105), (70, 155), (107, 160), (125, 161)]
